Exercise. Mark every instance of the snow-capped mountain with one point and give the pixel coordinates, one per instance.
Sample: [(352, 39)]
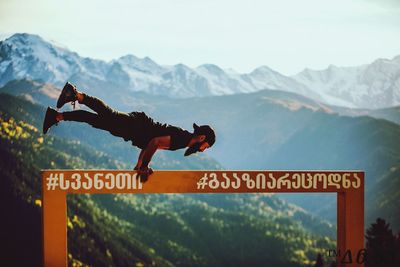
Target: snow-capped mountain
[(27, 56), (376, 85)]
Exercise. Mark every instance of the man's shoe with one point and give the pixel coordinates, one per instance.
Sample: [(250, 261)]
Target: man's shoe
[(50, 119), (68, 94)]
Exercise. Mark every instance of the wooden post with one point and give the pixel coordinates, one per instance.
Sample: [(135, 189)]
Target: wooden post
[(54, 229), (350, 228)]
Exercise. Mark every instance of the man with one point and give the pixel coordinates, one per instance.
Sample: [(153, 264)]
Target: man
[(135, 126)]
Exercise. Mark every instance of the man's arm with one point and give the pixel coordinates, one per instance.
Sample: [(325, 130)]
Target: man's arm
[(139, 161), (161, 142)]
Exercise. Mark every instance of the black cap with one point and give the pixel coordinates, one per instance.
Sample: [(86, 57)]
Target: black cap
[(205, 130)]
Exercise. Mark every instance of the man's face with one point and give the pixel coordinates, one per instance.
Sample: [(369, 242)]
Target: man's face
[(197, 147), (203, 146)]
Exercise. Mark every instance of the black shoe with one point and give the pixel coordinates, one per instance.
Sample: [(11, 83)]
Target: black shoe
[(68, 94), (49, 119)]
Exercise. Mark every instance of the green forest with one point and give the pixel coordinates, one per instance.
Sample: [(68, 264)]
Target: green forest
[(142, 230)]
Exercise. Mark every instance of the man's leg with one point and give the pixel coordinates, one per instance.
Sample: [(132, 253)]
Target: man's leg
[(115, 124), (105, 117), (95, 104), (81, 116), (53, 117), (70, 94)]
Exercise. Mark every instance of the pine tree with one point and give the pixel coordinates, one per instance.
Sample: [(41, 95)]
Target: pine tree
[(320, 262), (381, 245), (397, 250)]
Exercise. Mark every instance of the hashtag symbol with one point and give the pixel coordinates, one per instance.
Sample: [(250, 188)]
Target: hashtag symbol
[(201, 184), (52, 181)]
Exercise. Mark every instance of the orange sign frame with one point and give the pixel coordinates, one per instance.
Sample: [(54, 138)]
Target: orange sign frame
[(349, 186)]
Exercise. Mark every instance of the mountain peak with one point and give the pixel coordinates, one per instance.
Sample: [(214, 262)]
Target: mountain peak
[(264, 71), (33, 42), (211, 68), (396, 58), (145, 64), (128, 58), (25, 38), (395, 61), (147, 59), (181, 66), (29, 56)]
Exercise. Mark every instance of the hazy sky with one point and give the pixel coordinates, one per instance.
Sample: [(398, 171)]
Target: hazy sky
[(242, 34)]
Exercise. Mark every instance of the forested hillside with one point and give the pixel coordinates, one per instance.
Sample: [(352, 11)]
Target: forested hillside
[(142, 230)]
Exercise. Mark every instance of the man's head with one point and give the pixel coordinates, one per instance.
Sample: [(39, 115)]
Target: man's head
[(203, 138)]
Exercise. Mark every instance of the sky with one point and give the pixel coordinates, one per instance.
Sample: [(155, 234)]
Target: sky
[(285, 35)]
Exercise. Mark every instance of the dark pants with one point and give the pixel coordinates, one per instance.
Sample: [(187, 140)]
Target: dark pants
[(105, 117)]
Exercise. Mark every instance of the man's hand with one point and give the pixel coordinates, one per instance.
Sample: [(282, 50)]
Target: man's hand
[(145, 170), (160, 142), (144, 173)]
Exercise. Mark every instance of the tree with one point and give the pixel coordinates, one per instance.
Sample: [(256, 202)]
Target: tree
[(397, 250), (381, 245), (320, 262)]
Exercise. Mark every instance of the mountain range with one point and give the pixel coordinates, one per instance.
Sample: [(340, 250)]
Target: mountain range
[(265, 130), (27, 56)]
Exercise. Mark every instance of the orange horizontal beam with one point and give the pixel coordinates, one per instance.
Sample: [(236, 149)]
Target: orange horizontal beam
[(126, 181)]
